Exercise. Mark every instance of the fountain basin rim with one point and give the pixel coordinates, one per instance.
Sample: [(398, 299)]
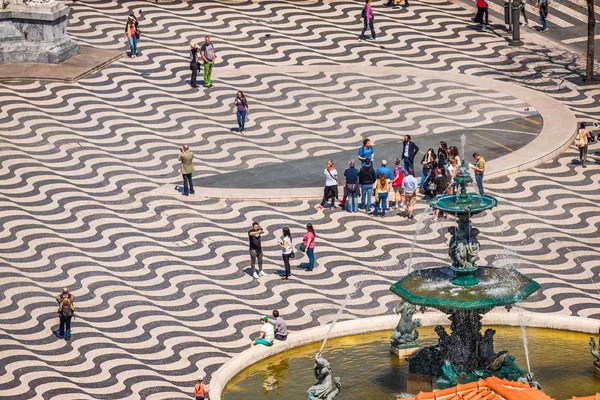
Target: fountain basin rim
[(434, 203), (241, 361)]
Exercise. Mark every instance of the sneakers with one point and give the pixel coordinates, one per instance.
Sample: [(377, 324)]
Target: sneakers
[(319, 207), (545, 30), (261, 273), (524, 23), (332, 208), (255, 275)]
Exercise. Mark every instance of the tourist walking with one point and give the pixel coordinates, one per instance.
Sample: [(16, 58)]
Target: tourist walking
[(308, 245), (409, 150), (256, 254), (440, 183), (186, 157), (442, 155), (581, 142), (331, 186), (351, 188), (381, 191), (479, 169), (391, 3), (427, 163), (397, 177), (200, 390), (482, 11), (280, 327), (366, 152), (207, 51), (287, 251), (241, 105), (368, 20), (366, 179), (543, 8), (66, 309), (132, 34), (266, 337), (410, 185), (522, 8), (194, 63)]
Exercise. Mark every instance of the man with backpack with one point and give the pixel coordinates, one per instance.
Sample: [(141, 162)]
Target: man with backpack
[(66, 309)]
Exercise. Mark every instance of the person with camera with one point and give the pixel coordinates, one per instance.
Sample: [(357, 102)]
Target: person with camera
[(186, 157), (287, 252), (132, 34), (256, 250)]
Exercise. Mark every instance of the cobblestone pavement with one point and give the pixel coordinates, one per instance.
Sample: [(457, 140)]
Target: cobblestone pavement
[(162, 283)]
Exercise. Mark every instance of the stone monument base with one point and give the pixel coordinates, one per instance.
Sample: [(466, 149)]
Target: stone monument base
[(403, 352), (35, 34)]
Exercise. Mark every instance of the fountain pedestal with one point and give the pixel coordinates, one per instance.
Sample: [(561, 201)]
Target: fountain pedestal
[(403, 352)]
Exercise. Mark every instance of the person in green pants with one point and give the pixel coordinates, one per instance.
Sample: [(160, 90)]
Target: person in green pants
[(207, 51)]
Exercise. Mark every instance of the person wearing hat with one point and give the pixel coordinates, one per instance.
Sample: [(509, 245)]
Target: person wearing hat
[(267, 333), (200, 389), (388, 176)]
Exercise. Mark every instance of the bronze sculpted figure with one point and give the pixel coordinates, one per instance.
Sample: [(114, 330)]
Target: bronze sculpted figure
[(326, 387)]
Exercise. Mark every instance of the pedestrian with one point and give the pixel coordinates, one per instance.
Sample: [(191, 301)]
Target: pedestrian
[(440, 183), (207, 51), (397, 177), (581, 142), (442, 155), (132, 34), (367, 16), (186, 157), (479, 169), (200, 390), (381, 191), (410, 185), (194, 63), (308, 244), (453, 152), (280, 327), (366, 152), (366, 179), (241, 104), (543, 8), (66, 309), (391, 3), (428, 163), (266, 337), (452, 171), (523, 13), (388, 175), (482, 10), (256, 253), (286, 251), (331, 187), (351, 187), (409, 150)]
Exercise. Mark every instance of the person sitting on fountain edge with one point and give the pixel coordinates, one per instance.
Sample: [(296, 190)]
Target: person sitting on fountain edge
[(281, 332), (267, 333)]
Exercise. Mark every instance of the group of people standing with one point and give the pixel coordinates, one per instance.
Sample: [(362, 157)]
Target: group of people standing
[(202, 57), (438, 170)]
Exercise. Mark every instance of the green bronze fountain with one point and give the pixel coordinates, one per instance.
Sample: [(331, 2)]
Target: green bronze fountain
[(465, 291)]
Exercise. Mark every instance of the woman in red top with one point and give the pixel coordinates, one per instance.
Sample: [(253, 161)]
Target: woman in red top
[(308, 241), (482, 9), (367, 15), (132, 34), (200, 389)]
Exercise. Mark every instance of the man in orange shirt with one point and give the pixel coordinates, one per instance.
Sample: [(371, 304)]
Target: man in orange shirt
[(200, 389)]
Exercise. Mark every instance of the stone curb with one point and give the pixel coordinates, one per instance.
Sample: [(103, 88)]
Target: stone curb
[(365, 325), (557, 133)]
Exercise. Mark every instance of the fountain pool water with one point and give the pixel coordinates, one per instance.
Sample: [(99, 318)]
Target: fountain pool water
[(365, 365)]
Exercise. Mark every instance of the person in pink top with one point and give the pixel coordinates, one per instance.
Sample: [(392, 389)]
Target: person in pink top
[(367, 16), (308, 242)]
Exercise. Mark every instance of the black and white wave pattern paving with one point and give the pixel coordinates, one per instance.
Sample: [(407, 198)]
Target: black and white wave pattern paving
[(163, 289)]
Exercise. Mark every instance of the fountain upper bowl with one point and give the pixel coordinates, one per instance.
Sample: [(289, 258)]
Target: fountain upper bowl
[(463, 204)]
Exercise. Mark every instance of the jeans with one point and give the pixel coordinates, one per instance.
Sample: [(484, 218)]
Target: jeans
[(424, 174), (64, 329), (583, 150), (194, 68), (325, 200), (543, 19), (133, 45), (352, 202), (381, 200), (187, 180), (207, 71), (311, 258), (479, 180), (241, 120), (254, 256), (408, 164), (366, 196), (370, 24), (286, 264)]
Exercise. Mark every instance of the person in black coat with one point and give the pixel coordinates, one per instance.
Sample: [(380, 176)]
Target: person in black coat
[(409, 150), (366, 178)]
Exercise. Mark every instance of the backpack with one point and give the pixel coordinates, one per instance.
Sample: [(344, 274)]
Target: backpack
[(364, 13), (66, 307)]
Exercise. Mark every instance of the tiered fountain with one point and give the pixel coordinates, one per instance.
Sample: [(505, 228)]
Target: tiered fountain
[(465, 291)]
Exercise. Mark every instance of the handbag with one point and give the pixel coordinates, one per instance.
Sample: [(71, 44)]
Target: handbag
[(292, 254), (302, 248)]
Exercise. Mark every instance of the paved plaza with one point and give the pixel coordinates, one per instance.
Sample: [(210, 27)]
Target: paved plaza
[(89, 177)]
